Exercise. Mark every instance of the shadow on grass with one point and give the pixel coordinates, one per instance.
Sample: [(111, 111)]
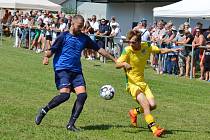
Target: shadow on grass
[(98, 127), (136, 130), (96, 65), (179, 130), (130, 129), (173, 131), (107, 126)]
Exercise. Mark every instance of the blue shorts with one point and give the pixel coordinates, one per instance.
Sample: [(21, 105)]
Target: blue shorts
[(68, 79)]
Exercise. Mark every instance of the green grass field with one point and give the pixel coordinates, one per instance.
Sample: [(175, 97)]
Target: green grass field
[(26, 85)]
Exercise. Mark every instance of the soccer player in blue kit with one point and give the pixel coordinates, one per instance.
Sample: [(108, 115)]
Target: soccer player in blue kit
[(67, 50)]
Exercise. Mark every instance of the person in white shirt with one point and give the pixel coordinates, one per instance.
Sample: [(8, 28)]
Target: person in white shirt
[(25, 31), (46, 20), (116, 40), (115, 32), (94, 24), (145, 34), (62, 27)]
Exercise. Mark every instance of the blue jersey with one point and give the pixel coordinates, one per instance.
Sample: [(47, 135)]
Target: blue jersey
[(67, 50)]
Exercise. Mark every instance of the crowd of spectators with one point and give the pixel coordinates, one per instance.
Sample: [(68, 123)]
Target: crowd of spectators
[(165, 35), (36, 30)]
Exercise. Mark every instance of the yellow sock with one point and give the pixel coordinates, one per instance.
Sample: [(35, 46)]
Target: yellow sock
[(151, 122), (135, 112)]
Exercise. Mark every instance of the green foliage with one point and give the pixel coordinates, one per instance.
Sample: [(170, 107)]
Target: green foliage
[(26, 84)]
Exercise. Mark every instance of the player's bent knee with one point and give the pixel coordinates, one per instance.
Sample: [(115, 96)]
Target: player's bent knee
[(64, 90)]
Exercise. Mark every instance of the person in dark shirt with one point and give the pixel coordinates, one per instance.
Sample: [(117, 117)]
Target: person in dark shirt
[(102, 32), (206, 34), (69, 78), (188, 48), (207, 64)]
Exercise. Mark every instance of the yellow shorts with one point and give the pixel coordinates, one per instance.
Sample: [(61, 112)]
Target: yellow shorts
[(142, 87)]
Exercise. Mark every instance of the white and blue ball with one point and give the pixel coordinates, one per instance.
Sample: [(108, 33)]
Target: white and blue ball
[(107, 92)]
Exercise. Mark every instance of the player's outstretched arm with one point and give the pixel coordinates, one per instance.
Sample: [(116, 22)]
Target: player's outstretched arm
[(166, 50), (106, 54), (124, 65)]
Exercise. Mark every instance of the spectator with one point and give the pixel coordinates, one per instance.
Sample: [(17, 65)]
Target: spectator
[(170, 62), (199, 25), (199, 40), (94, 24), (207, 64), (188, 40), (87, 29), (62, 27), (115, 30), (103, 31), (156, 39), (69, 21), (48, 36), (207, 35), (42, 37), (142, 27), (113, 21), (181, 55), (103, 28), (187, 27)]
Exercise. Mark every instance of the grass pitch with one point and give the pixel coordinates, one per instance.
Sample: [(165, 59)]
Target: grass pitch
[(25, 85)]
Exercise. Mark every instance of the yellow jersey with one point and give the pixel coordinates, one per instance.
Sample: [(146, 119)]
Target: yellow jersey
[(137, 60)]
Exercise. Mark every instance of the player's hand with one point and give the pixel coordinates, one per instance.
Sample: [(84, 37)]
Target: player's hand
[(115, 60), (127, 66), (177, 49), (45, 61)]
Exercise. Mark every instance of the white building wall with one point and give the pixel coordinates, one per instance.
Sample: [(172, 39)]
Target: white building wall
[(88, 9), (127, 13), (124, 14)]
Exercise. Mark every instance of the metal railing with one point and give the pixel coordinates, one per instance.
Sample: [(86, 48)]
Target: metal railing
[(119, 42)]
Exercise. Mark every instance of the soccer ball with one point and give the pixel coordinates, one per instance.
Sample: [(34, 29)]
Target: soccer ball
[(107, 92)]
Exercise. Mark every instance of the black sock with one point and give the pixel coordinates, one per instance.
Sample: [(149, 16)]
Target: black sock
[(46, 108), (77, 109), (57, 100)]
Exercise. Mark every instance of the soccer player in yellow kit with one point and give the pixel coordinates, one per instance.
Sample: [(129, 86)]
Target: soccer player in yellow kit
[(133, 59)]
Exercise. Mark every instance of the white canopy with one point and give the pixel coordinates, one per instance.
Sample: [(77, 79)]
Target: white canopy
[(184, 8), (30, 4)]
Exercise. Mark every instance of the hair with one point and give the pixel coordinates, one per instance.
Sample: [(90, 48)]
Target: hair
[(133, 33), (113, 18), (62, 19), (199, 23), (94, 16), (144, 23), (76, 17)]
